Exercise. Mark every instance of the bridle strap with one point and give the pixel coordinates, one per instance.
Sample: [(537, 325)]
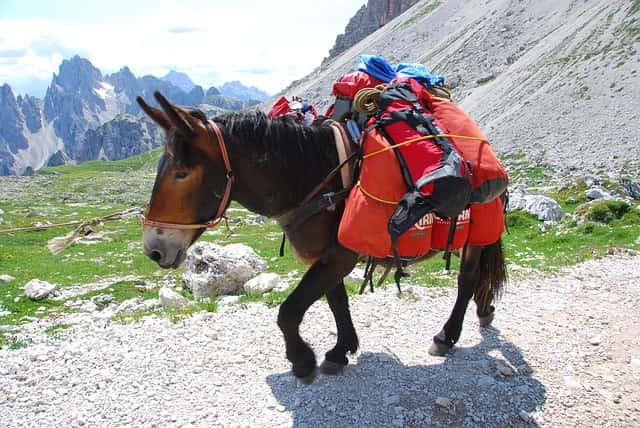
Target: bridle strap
[(225, 197), (230, 178)]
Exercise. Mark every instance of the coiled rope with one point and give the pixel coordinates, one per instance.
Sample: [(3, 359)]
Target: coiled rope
[(366, 100)]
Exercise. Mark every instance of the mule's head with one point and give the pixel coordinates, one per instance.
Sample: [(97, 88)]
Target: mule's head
[(191, 183)]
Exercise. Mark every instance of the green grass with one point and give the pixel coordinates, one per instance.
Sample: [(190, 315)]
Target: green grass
[(424, 11)]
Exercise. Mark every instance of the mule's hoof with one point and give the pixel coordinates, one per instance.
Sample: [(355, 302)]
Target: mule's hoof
[(331, 367), (308, 379), (486, 320), (439, 349)]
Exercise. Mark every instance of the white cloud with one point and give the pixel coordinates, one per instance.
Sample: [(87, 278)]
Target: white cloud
[(284, 39)]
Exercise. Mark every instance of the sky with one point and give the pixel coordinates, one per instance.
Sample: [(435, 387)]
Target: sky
[(266, 44)]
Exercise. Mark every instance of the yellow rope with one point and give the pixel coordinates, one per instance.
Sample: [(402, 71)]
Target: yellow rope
[(374, 197), (424, 137)]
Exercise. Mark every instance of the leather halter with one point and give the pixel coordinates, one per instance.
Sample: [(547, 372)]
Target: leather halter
[(223, 202)]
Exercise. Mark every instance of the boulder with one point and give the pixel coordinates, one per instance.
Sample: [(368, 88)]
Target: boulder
[(597, 192), (631, 187), (212, 270), (171, 299), (37, 289), (543, 207), (261, 284)]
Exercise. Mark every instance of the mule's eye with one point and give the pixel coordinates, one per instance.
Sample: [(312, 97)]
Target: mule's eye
[(180, 175)]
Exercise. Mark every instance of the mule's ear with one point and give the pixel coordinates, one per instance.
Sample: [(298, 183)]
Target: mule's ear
[(156, 115), (174, 116)]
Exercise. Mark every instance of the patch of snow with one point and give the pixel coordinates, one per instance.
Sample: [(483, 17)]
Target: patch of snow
[(42, 145), (111, 100)]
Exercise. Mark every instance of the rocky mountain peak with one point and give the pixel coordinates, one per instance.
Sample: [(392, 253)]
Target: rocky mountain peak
[(181, 80), (76, 74), (368, 19), (11, 135)]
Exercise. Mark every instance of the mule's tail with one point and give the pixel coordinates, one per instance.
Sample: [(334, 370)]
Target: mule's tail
[(492, 276)]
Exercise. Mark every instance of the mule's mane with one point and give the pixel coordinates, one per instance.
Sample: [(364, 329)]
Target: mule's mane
[(306, 153)]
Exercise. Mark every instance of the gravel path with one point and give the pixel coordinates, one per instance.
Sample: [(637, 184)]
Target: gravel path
[(564, 351)]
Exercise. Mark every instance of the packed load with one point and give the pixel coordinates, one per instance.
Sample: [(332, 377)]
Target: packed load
[(428, 177)]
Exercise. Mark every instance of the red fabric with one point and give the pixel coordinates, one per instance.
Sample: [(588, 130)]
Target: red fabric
[(280, 108), (441, 231), (487, 223), (485, 165), (363, 227), (348, 86)]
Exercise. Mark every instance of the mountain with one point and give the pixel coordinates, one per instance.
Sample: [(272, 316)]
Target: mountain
[(180, 80), (554, 81), (249, 94), (369, 18), (87, 115)]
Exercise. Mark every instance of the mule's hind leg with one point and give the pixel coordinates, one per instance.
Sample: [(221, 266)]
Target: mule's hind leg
[(493, 276), (336, 358), (323, 276), (485, 310), (467, 280)]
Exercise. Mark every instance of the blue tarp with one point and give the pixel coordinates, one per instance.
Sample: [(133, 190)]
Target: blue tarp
[(420, 73), (377, 66)]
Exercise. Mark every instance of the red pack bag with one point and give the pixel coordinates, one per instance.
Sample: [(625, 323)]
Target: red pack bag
[(371, 203), (489, 178)]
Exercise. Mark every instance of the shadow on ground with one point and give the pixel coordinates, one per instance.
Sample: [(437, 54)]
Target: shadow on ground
[(379, 390)]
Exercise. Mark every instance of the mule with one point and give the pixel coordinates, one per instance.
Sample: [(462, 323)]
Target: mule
[(270, 167)]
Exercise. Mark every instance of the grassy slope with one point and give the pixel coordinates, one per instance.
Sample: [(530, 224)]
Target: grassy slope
[(94, 189)]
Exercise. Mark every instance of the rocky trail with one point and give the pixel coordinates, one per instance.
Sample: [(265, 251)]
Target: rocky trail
[(563, 351)]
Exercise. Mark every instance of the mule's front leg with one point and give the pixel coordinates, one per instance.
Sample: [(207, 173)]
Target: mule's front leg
[(324, 275)]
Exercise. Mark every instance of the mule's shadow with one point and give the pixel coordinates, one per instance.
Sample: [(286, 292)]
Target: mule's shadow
[(464, 388)]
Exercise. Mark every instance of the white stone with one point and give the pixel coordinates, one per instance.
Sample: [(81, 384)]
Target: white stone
[(595, 340), (212, 270), (6, 278), (37, 289), (543, 207), (171, 299), (598, 192), (129, 305), (443, 402), (89, 306), (505, 370), (261, 284)]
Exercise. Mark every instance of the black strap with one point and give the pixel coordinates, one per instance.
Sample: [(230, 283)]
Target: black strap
[(369, 268), (447, 248), (315, 205), (284, 238)]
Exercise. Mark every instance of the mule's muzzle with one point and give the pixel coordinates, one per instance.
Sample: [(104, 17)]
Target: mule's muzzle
[(167, 249)]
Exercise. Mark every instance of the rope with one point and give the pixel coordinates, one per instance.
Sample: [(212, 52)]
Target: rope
[(366, 100), (424, 137), (376, 198), (440, 92), (93, 222)]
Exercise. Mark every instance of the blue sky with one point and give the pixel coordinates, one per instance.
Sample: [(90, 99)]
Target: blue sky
[(260, 43)]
